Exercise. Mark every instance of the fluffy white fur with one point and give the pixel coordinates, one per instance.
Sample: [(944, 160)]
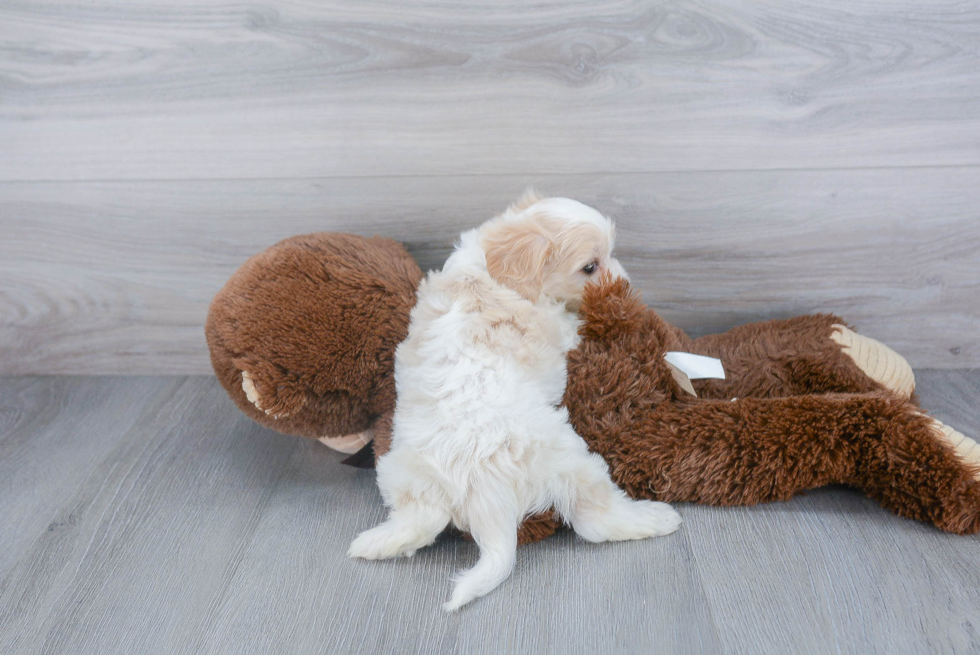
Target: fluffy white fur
[(479, 438)]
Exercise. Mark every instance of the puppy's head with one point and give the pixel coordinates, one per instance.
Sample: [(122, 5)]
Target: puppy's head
[(550, 247)]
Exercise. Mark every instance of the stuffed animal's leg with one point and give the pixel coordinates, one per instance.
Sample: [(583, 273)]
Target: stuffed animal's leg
[(876, 360), (378, 435), (493, 517), (409, 527), (760, 450), (966, 448), (332, 419), (924, 470), (802, 355)]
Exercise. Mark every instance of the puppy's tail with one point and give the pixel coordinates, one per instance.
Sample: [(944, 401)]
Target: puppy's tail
[(493, 522)]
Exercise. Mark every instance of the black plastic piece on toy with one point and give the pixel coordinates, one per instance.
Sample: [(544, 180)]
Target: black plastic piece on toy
[(362, 459)]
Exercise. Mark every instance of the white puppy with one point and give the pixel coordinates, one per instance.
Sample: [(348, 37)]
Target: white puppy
[(478, 437)]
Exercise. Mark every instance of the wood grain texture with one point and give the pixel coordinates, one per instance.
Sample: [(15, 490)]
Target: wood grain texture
[(394, 606), (191, 529), (54, 434), (142, 546), (116, 277), (831, 572), (199, 89)]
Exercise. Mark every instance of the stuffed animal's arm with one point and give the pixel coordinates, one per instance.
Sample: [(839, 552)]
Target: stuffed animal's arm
[(612, 312)]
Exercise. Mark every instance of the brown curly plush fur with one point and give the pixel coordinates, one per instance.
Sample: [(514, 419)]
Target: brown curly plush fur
[(314, 320), (794, 413), (663, 444)]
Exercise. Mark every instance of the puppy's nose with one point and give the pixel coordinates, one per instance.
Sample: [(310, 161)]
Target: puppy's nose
[(617, 269)]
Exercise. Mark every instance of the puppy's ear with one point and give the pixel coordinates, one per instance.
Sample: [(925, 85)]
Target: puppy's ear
[(528, 198), (517, 254)]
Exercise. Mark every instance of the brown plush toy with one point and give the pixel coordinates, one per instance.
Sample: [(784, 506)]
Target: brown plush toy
[(303, 335)]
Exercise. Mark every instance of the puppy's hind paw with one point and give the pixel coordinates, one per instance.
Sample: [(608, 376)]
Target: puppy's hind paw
[(627, 519), (654, 519)]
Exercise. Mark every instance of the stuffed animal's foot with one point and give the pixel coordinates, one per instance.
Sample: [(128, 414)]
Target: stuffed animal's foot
[(626, 519), (965, 448), (878, 361), (350, 443)]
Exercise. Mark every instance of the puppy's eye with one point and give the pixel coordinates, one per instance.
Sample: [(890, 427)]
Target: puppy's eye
[(590, 268)]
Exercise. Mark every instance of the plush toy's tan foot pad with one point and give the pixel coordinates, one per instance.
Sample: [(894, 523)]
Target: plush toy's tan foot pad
[(967, 449), (878, 361), (349, 443)]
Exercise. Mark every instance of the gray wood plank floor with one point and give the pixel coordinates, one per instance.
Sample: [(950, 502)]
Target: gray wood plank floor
[(147, 515)]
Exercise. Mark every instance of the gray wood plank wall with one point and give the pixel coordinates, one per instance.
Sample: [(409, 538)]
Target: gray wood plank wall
[(762, 159)]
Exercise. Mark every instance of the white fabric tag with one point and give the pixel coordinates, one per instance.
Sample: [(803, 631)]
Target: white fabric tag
[(696, 367)]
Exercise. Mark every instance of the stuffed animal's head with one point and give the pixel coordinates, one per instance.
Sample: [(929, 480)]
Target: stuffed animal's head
[(303, 335)]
